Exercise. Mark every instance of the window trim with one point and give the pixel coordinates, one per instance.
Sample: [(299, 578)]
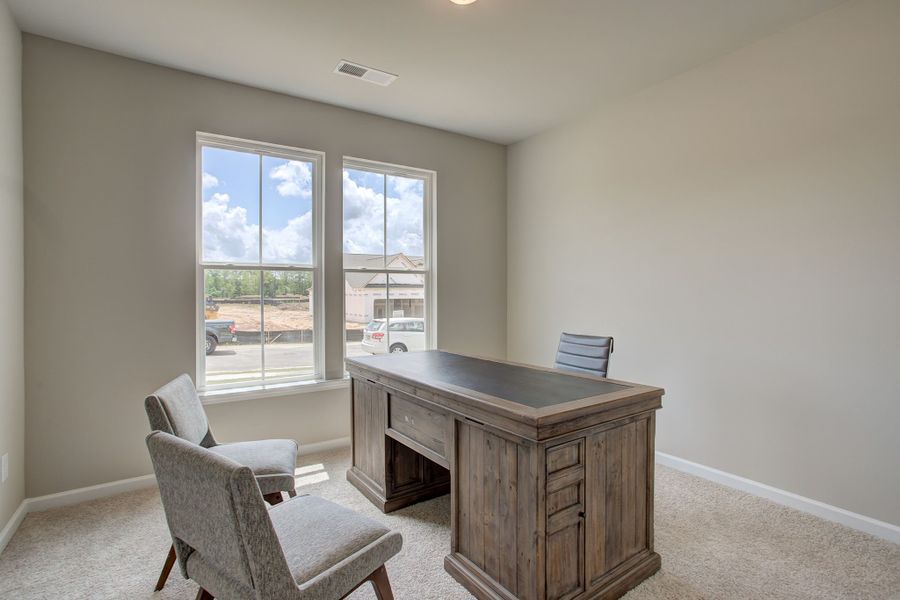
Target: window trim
[(258, 387), (272, 390), (429, 221)]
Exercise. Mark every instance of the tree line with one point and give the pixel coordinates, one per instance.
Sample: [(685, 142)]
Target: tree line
[(222, 284)]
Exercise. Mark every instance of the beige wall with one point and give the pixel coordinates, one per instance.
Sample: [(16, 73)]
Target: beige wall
[(737, 229), (109, 204), (12, 368)]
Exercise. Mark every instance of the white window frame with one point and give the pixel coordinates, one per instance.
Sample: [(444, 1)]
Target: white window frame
[(429, 222), (280, 386)]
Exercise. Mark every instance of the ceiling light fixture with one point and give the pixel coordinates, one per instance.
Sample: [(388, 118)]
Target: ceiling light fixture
[(462, 1)]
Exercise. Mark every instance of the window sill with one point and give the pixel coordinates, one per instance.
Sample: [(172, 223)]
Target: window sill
[(255, 392)]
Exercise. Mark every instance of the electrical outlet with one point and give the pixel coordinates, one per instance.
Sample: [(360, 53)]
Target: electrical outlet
[(5, 467)]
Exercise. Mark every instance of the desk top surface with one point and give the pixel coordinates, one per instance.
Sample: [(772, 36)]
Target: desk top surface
[(528, 386)]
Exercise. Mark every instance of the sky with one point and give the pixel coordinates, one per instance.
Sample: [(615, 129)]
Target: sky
[(231, 207)]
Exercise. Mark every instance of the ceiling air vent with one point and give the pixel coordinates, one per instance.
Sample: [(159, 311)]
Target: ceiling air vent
[(357, 71)]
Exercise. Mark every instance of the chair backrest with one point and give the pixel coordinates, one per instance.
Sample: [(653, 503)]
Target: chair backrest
[(214, 507), (584, 353), (175, 408)]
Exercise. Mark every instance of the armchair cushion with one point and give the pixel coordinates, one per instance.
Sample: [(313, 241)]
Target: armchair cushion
[(330, 549), (272, 462)]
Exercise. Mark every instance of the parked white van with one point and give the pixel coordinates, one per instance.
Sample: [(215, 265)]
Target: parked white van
[(407, 334)]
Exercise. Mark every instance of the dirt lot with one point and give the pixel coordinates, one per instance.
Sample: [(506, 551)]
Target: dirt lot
[(282, 317)]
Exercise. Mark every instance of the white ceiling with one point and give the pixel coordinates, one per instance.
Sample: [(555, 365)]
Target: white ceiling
[(501, 70)]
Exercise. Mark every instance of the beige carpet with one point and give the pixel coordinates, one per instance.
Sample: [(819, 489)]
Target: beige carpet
[(714, 542)]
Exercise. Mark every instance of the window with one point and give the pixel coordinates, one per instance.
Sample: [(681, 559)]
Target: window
[(259, 263), (388, 258)]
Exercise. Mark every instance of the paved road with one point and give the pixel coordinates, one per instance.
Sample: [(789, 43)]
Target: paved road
[(232, 362)]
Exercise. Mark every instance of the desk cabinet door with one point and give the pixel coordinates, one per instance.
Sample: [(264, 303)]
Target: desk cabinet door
[(618, 489), (369, 421)]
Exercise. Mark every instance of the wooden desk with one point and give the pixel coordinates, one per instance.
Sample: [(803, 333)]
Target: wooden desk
[(550, 473)]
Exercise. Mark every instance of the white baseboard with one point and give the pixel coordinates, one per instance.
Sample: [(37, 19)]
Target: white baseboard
[(881, 529), (113, 488), (12, 525), (324, 446), (92, 492)]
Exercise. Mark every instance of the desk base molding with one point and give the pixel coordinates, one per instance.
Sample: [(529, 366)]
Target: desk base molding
[(618, 584), (474, 579), (615, 586)]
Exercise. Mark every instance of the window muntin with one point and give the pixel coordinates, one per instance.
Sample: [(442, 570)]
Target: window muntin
[(259, 235), (388, 258)]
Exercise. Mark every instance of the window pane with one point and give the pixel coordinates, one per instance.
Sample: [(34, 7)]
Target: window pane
[(233, 350), (361, 293), (288, 324), (287, 211), (405, 223), (363, 219), (230, 192), (406, 313), (378, 323)]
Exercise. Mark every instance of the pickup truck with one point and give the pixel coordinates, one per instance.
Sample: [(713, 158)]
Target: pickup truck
[(219, 330)]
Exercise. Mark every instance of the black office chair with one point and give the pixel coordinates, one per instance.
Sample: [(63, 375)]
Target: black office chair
[(584, 353)]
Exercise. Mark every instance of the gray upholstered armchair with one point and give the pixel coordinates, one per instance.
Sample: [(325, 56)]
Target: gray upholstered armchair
[(584, 353), (175, 408), (228, 542)]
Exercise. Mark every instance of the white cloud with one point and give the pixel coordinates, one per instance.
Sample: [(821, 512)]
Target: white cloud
[(210, 180), (364, 218), (295, 177), (291, 244), (228, 237), (405, 219)]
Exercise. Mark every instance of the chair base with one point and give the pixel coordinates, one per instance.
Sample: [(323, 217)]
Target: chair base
[(167, 568), (378, 577), (382, 584), (273, 498)]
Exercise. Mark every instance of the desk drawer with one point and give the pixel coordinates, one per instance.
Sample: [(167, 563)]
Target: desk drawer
[(419, 423)]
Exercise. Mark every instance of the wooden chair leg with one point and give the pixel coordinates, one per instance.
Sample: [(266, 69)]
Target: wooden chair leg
[(167, 568), (204, 595), (381, 584), (273, 498)]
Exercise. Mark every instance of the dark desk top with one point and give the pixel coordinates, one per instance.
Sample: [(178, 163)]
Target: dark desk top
[(528, 386)]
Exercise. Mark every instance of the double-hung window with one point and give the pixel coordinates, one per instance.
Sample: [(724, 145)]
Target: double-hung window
[(259, 259), (389, 278)]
